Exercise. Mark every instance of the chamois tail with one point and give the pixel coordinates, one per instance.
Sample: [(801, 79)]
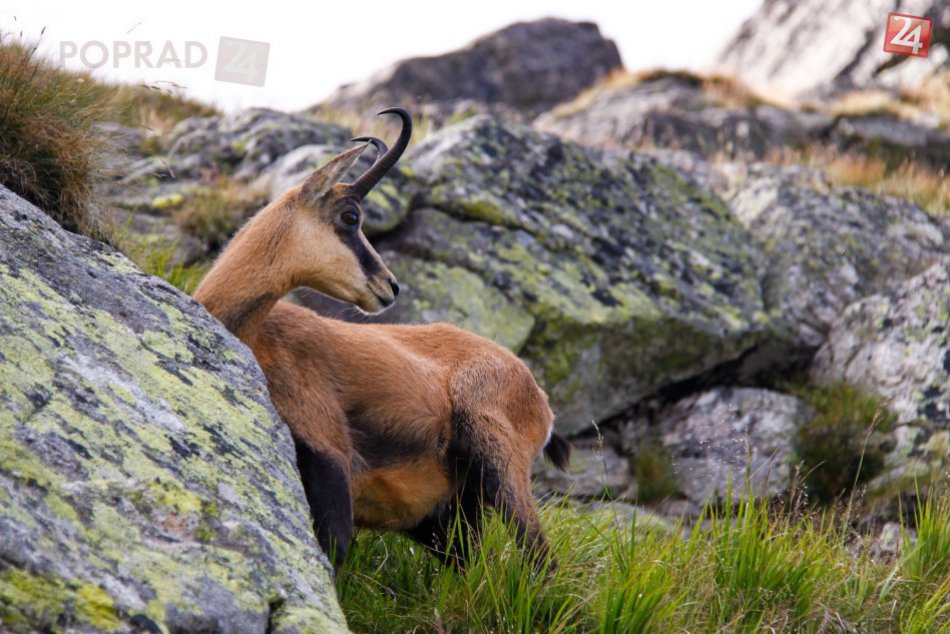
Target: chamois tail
[(558, 451)]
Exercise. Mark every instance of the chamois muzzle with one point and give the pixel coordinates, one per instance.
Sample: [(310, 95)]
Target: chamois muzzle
[(386, 157)]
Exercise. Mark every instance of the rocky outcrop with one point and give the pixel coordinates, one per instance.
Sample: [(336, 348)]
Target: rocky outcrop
[(802, 46), (897, 345), (826, 246), (522, 69), (146, 483), (718, 118), (612, 275), (709, 116), (244, 143)]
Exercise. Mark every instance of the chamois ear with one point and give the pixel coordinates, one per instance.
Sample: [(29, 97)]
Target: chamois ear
[(319, 183)]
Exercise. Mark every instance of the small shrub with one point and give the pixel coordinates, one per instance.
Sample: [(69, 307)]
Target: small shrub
[(846, 441), (214, 214), (48, 148)]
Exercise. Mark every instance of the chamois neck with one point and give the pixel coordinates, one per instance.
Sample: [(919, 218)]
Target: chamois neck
[(250, 275)]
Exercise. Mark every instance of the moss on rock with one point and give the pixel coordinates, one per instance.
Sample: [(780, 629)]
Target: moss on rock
[(144, 472)]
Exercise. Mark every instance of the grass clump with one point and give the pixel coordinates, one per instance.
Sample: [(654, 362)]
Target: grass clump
[(926, 186), (213, 214), (48, 146), (747, 569), (51, 148), (653, 472), (845, 443), (152, 107)]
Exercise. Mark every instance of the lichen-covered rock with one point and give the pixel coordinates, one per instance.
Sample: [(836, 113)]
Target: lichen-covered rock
[(726, 434), (526, 67), (146, 483), (246, 142), (893, 139), (681, 111), (716, 118), (827, 246), (634, 277), (897, 345)]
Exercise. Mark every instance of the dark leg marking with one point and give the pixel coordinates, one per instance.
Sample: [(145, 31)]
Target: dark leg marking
[(485, 480), (331, 505)]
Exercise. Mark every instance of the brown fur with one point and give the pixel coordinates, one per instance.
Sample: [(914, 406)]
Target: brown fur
[(416, 422)]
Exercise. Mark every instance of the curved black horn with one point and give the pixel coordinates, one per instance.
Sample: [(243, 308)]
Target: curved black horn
[(379, 144), (383, 164)]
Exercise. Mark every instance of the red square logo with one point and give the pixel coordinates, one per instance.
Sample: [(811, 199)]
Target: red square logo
[(907, 34)]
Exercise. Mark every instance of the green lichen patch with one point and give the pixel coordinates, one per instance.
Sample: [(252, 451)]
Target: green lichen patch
[(446, 293)]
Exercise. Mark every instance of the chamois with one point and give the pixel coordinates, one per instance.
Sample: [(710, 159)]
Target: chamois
[(399, 427)]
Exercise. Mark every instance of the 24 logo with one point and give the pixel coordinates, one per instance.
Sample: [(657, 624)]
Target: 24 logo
[(907, 34)]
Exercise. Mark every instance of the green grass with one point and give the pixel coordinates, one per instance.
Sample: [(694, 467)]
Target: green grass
[(750, 569), (845, 443)]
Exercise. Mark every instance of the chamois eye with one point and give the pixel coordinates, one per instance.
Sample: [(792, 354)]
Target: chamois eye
[(350, 217)]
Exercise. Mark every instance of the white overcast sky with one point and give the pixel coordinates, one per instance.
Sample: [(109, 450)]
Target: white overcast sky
[(317, 45)]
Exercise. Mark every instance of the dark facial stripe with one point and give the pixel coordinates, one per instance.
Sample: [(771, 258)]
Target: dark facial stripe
[(353, 240)]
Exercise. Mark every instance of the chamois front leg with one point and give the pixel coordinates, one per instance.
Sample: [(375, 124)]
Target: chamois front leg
[(327, 487)]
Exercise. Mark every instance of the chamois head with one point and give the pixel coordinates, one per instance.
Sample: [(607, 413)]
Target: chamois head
[(331, 253)]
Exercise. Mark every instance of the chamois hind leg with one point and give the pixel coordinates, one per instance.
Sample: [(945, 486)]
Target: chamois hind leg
[(499, 481), (327, 487)]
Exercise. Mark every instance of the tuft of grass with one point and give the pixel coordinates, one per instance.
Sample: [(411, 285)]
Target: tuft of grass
[(749, 569), (845, 443), (51, 151), (926, 186), (653, 472), (48, 146), (160, 261), (929, 558), (215, 213)]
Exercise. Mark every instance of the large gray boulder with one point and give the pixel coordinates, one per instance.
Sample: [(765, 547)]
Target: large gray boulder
[(827, 246), (709, 116), (726, 439), (146, 483), (895, 345), (245, 142), (715, 118), (524, 68), (609, 273)]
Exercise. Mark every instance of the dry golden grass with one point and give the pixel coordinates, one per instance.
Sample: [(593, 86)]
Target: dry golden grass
[(48, 146), (931, 99), (924, 185)]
